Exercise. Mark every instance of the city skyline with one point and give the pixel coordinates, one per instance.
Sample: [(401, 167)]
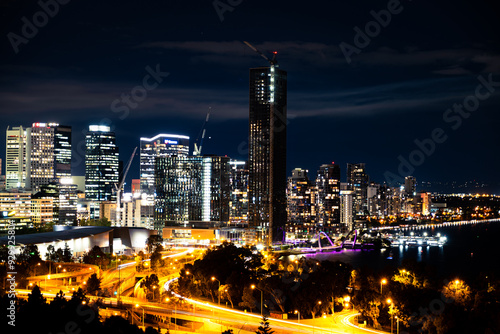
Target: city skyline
[(395, 91)]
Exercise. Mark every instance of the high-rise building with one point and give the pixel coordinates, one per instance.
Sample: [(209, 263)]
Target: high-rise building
[(328, 197), (267, 153), (410, 186), (192, 189), (38, 155), (299, 207), (62, 151), (48, 154), (15, 162), (238, 184), (101, 164), (162, 145), (346, 205), (358, 181), (40, 149)]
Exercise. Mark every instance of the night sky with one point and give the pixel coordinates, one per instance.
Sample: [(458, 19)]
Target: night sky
[(395, 89)]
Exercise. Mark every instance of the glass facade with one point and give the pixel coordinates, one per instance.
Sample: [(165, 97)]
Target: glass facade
[(299, 203), (101, 164), (190, 190), (40, 160), (62, 151), (238, 183), (15, 162), (162, 145), (357, 179), (328, 198), (267, 152)]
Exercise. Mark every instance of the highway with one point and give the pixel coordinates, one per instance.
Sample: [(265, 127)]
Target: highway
[(198, 315)]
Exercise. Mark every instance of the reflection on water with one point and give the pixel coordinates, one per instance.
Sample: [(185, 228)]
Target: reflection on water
[(469, 248)]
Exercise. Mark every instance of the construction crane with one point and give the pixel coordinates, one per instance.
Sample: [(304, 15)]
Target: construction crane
[(272, 62), (197, 149), (118, 186)]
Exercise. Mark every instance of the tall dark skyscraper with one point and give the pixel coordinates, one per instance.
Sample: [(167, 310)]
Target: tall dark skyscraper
[(267, 153)]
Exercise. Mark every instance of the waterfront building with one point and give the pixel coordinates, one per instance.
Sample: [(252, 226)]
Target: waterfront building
[(346, 207), (358, 181), (328, 198), (410, 186), (299, 204)]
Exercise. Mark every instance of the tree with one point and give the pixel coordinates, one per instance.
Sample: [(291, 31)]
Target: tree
[(264, 327), (29, 254), (67, 256), (152, 242), (93, 284), (458, 291), (225, 293), (51, 254), (150, 284), (248, 300), (156, 260), (96, 256)]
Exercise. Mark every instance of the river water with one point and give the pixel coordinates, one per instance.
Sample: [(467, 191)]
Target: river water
[(470, 249)]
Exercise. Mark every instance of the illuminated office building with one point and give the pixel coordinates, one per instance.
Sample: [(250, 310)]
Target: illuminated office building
[(162, 145), (328, 198), (40, 149), (191, 190), (410, 186), (346, 206), (267, 153), (62, 151), (358, 180), (238, 184), (37, 155), (299, 207), (15, 154), (101, 164)]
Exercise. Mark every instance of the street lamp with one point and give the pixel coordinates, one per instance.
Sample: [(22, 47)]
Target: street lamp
[(347, 299), (397, 325), (38, 264), (137, 305), (389, 301), (382, 282), (218, 291), (456, 287), (298, 312), (261, 298), (175, 308)]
